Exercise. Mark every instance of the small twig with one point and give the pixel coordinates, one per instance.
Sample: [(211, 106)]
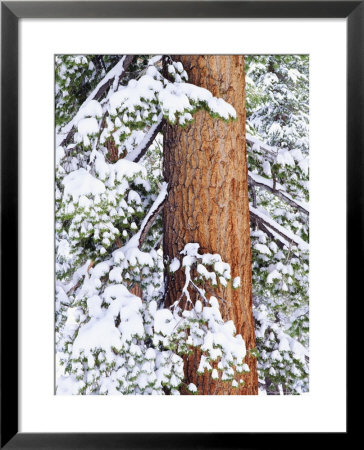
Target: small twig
[(200, 292)]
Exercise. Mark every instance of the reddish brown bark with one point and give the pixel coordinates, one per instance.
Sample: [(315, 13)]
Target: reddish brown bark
[(205, 166)]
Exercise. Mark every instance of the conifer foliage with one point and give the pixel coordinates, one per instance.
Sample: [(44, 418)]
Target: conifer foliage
[(114, 334), (277, 125)]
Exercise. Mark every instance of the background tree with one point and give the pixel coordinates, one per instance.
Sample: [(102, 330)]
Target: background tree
[(277, 125)]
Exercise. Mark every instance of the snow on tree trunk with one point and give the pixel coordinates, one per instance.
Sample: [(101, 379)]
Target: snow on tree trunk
[(206, 170)]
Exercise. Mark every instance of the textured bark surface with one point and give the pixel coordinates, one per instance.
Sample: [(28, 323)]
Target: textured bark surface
[(205, 166)]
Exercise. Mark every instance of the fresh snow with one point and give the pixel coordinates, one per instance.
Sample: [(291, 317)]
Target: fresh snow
[(116, 71), (80, 182), (114, 335), (287, 234)]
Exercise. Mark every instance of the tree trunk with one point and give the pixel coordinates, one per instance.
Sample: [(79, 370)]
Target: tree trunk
[(206, 168)]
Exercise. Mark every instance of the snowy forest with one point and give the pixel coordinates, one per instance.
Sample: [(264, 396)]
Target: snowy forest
[(182, 224)]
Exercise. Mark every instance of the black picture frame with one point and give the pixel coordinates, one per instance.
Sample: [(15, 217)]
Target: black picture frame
[(11, 12)]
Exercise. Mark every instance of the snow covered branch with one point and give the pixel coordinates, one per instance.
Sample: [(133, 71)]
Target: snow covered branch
[(147, 141), (116, 72), (280, 241), (267, 149), (278, 190), (286, 341), (151, 219), (139, 237), (275, 228)]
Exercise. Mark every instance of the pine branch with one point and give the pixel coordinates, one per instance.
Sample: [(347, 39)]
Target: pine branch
[(274, 227), (267, 149), (147, 141), (138, 238), (265, 183), (276, 237), (151, 219), (117, 71)]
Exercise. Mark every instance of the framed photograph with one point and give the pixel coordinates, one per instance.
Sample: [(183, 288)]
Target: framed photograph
[(180, 221)]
